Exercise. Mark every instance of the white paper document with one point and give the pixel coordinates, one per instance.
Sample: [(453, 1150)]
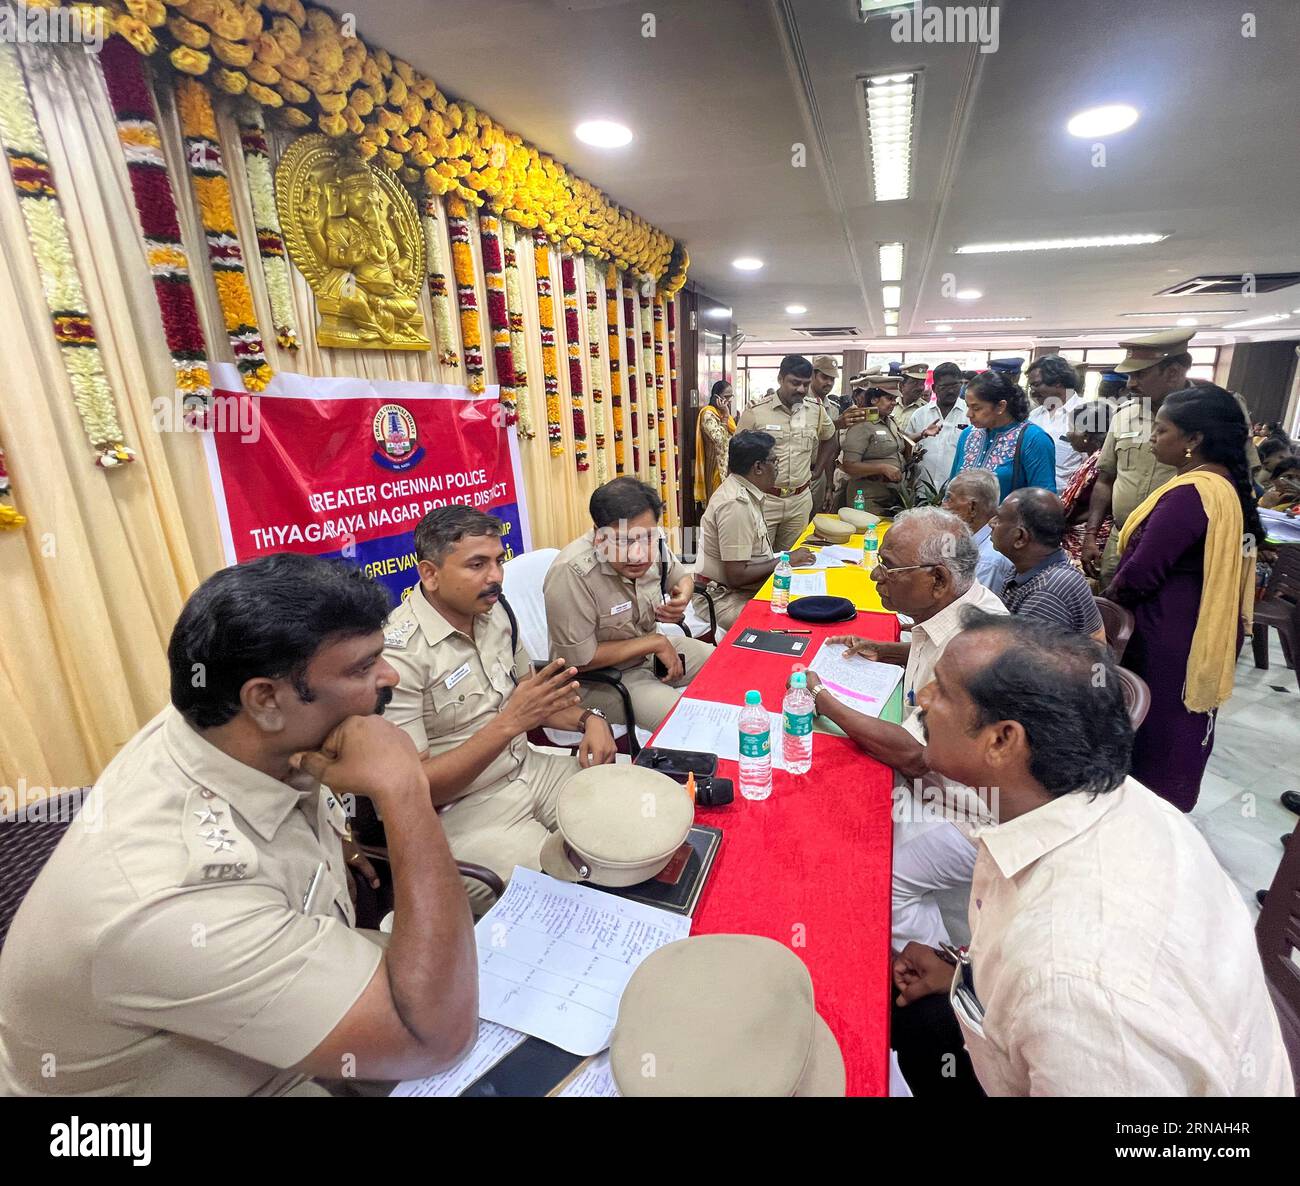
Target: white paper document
[(494, 1042), (714, 728), (595, 1079), (554, 958), (807, 584), (835, 556), (857, 682)]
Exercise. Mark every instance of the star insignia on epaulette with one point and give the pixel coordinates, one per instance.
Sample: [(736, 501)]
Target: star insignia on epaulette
[(208, 816), (218, 840)]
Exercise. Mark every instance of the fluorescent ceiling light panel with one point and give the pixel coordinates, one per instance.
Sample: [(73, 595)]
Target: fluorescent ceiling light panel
[(796, 310), (868, 8), (891, 331), (603, 133), (1186, 313), (717, 313), (1097, 122), (1257, 321), (971, 320), (747, 263), (891, 263), (891, 108), (1135, 240), (891, 296), (891, 316), (942, 329), (968, 294)]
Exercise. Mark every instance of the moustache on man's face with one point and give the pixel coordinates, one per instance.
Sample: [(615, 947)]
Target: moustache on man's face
[(920, 720), (493, 590), (383, 700)]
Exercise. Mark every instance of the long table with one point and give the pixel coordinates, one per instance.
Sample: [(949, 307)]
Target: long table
[(811, 865)]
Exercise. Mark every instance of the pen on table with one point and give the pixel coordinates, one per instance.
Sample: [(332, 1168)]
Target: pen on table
[(791, 631)]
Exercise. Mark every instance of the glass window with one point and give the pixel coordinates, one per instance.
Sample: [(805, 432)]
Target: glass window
[(880, 362), (1072, 355), (1104, 357), (1204, 355), (1201, 374)]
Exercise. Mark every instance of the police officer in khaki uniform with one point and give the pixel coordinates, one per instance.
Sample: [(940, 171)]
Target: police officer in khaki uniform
[(606, 594), (735, 550), (1127, 470), (192, 933), (876, 450), (467, 697), (912, 394), (805, 440)]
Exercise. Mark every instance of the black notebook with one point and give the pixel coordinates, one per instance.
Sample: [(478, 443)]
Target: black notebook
[(694, 859), (773, 643)]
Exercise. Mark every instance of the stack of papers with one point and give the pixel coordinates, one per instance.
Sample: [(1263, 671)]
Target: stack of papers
[(860, 683), (714, 727)]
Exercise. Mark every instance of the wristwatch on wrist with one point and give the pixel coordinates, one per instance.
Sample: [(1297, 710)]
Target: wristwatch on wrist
[(588, 714)]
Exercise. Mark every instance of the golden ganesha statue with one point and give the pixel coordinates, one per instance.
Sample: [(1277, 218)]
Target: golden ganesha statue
[(354, 232)]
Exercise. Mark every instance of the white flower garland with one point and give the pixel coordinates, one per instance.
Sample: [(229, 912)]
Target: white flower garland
[(595, 347), (439, 296), (518, 346)]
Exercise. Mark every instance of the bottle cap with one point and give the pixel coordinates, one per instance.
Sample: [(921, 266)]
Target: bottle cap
[(799, 680), (785, 557), (752, 697)]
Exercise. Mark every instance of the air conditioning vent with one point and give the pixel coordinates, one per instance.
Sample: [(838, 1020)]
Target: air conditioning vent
[(824, 331), (1232, 284)]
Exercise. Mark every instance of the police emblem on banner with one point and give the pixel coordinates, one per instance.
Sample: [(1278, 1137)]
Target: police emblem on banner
[(395, 434)]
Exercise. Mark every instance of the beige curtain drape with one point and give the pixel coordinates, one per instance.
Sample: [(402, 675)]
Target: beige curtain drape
[(92, 584)]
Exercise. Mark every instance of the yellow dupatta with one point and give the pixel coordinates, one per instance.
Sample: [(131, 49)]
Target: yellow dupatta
[(1227, 587), (701, 478)]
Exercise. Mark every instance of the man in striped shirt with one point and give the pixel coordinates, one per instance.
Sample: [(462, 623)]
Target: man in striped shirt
[(1028, 529)]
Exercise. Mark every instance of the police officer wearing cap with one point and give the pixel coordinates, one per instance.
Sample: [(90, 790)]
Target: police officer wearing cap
[(825, 371), (1127, 470), (467, 697), (876, 450), (912, 394), (805, 443), (193, 932), (1009, 368), (606, 594)]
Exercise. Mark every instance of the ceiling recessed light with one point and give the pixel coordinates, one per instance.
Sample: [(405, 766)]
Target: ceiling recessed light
[(952, 339), (1187, 321), (968, 294), (747, 263), (603, 133), (891, 263), (796, 310), (942, 329), (1134, 240), (1102, 121), (717, 311)]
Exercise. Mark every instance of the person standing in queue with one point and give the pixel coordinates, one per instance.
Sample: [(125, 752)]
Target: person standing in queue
[(1000, 437), (805, 438), (606, 594), (940, 424), (876, 452)]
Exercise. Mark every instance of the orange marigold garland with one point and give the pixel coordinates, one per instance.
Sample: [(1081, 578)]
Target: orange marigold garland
[(672, 360), (661, 397), (489, 230), (629, 338), (518, 347), (212, 192), (573, 344), (615, 372), (595, 337), (436, 262), (462, 263), (648, 375), (546, 319)]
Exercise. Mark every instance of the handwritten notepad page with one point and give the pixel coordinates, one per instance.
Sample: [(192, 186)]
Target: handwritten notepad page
[(713, 727), (554, 958), (860, 683), (493, 1043), (594, 1079), (807, 584)]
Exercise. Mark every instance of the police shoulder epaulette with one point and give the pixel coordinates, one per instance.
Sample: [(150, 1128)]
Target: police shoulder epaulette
[(584, 562), (216, 850), (398, 633)]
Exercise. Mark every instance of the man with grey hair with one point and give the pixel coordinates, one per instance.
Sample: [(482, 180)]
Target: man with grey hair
[(973, 497), (1052, 383), (926, 570)]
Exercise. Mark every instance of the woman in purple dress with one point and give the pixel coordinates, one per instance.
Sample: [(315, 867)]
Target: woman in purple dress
[(1187, 572)]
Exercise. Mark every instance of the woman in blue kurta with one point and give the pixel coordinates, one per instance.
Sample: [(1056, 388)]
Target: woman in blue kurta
[(1000, 437)]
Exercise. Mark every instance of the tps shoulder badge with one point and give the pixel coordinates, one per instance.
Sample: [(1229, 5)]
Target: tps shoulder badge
[(396, 439)]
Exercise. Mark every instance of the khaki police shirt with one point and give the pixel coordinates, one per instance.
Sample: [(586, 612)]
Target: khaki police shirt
[(799, 433), (450, 685), (874, 440), (588, 603), (1126, 458), (732, 528), (192, 933), (903, 413)]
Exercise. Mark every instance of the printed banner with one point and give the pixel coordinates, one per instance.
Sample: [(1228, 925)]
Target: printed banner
[(348, 467)]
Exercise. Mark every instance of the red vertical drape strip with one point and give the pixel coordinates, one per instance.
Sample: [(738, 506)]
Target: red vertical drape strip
[(573, 347)]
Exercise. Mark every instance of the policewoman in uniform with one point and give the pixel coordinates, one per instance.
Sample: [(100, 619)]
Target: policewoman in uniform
[(606, 594), (876, 451), (805, 439), (193, 932), (467, 697)]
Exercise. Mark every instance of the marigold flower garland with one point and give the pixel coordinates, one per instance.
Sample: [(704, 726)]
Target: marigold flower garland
[(518, 347), (615, 371), (573, 343), (436, 257), (629, 338), (661, 396), (462, 263), (47, 233), (546, 318), (653, 432), (672, 361), (595, 336), (270, 242), (155, 206), (212, 192), (489, 230)]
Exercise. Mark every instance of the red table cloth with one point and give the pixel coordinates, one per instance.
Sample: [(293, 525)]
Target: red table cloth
[(810, 866)]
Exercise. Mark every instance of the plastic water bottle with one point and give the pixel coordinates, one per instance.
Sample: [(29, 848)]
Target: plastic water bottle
[(870, 545), (796, 727), (781, 585), (755, 749), (859, 500)]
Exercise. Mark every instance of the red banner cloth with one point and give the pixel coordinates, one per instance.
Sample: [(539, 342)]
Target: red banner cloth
[(810, 866)]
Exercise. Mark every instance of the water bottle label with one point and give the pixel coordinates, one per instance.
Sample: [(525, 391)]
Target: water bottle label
[(781, 582), (870, 544), (798, 723), (758, 745)]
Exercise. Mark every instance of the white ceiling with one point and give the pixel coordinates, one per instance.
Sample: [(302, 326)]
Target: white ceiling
[(725, 88)]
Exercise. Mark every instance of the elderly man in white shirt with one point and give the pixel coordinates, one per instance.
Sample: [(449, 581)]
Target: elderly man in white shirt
[(972, 496), (926, 570), (1110, 954), (1052, 383), (948, 410)]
